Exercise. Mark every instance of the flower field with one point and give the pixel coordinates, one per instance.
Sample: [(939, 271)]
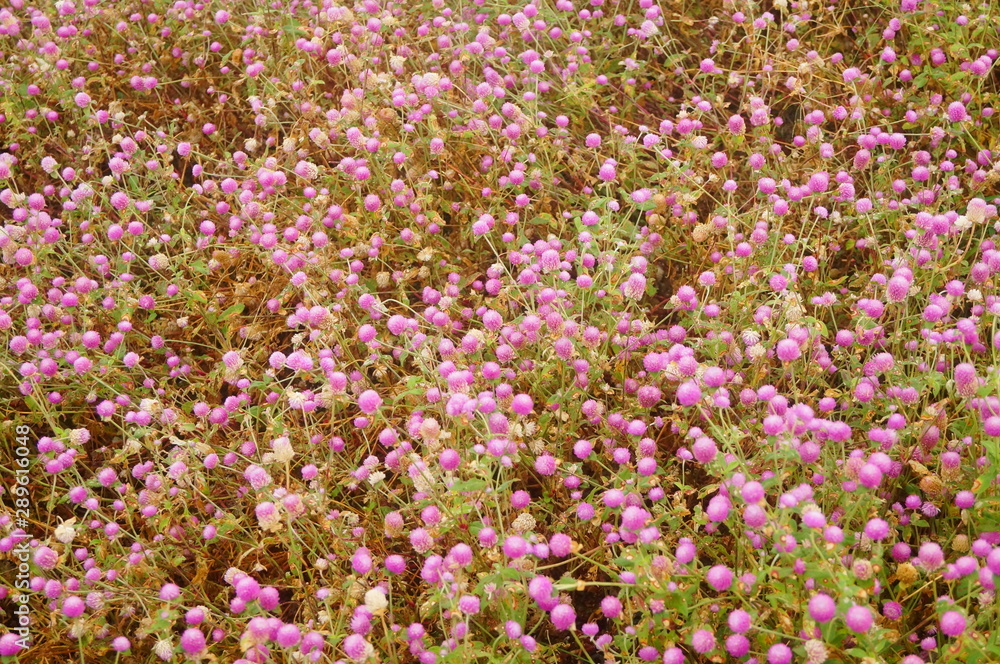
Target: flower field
[(473, 331)]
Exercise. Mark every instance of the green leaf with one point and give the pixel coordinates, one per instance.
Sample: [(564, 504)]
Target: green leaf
[(469, 485), (233, 310)]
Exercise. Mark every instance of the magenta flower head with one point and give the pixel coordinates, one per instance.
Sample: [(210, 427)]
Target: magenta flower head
[(369, 402), (193, 641), (169, 591), (247, 589), (703, 641), (356, 648), (858, 619), (739, 621), (288, 636), (469, 604), (877, 529), (788, 350), (563, 616), (73, 607), (11, 644), (822, 608), (522, 404), (957, 112), (46, 558), (545, 465), (515, 547), (966, 381), (673, 656), (719, 577), (930, 556), (634, 287), (952, 623), (256, 477), (688, 393), (779, 653), (897, 289)]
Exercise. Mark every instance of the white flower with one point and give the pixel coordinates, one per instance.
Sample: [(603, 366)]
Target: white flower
[(78, 629), (65, 531), (296, 399), (164, 649), (79, 436), (159, 262), (523, 523), (375, 601), (283, 451)]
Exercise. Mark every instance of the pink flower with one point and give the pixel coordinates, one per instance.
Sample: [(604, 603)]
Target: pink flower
[(522, 404), (957, 112), (634, 287), (822, 608), (46, 558), (952, 623), (563, 616), (703, 641), (193, 641), (858, 619), (369, 402)]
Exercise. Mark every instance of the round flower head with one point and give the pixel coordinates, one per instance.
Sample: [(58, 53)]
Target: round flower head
[(288, 636), (719, 577), (952, 623), (737, 645), (877, 529), (256, 477), (369, 401), (779, 653), (193, 641), (957, 112), (46, 558), (739, 621), (688, 393), (563, 616), (515, 547), (822, 608), (858, 619), (73, 607), (469, 604), (634, 287), (703, 641), (356, 648), (673, 656), (788, 350), (930, 555), (966, 381), (522, 404)]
